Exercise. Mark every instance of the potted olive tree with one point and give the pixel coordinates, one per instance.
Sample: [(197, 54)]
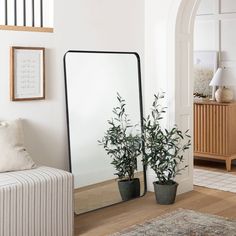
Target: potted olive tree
[(123, 143), (164, 152)]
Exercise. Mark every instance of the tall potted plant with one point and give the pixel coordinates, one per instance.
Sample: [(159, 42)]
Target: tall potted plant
[(123, 144), (164, 152)]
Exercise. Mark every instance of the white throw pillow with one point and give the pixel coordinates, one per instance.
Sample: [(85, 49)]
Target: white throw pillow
[(13, 155)]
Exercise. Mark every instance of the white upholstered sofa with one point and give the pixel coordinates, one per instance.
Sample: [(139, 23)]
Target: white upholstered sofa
[(36, 202)]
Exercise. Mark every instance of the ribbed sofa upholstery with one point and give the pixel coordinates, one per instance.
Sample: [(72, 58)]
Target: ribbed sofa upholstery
[(36, 202)]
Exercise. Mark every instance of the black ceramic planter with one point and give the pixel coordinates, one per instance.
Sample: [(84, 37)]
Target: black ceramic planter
[(129, 189), (165, 193)]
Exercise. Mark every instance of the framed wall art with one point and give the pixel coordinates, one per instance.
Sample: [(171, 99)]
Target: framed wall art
[(27, 75), (205, 65)]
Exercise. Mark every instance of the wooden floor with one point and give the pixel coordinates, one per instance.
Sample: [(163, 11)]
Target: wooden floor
[(115, 218), (214, 166), (99, 195)]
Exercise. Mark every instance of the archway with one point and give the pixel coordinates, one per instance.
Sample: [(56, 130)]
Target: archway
[(168, 67), (180, 77)]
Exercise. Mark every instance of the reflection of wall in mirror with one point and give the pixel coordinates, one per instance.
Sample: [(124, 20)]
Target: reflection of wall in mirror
[(93, 82)]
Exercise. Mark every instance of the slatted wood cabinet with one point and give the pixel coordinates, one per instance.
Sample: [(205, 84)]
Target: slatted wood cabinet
[(215, 131)]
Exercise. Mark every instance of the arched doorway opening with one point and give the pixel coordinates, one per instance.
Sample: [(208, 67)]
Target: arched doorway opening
[(180, 77), (169, 29)]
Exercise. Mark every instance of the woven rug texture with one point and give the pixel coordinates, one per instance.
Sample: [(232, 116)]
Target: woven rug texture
[(183, 223), (216, 180)]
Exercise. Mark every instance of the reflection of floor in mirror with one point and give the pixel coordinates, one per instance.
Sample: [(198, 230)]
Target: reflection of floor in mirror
[(100, 195)]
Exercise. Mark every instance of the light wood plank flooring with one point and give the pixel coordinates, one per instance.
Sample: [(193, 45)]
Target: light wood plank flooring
[(115, 218), (99, 195)]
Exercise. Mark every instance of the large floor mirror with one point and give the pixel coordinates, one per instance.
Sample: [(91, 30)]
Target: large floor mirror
[(92, 81)]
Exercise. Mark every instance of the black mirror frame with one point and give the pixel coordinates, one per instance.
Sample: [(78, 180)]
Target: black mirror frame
[(140, 107)]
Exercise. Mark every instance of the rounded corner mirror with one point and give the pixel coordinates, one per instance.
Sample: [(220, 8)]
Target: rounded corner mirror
[(93, 79)]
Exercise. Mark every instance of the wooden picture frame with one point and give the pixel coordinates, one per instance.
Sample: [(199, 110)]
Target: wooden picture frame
[(27, 73)]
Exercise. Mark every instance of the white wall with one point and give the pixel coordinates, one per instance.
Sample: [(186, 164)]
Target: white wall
[(157, 13), (215, 30), (82, 24)]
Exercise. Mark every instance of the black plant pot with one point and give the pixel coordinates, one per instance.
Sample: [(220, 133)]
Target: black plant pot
[(165, 193), (129, 189)]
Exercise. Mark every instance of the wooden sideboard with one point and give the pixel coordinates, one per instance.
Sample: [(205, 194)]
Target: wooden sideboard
[(215, 131)]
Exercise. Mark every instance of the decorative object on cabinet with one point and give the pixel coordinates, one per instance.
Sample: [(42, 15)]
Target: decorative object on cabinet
[(215, 131), (223, 77), (27, 75), (205, 65), (200, 95)]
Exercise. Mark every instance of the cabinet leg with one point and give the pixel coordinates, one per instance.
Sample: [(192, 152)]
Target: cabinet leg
[(228, 164)]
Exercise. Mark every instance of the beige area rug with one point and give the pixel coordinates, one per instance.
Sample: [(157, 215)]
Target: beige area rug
[(183, 223), (215, 180)]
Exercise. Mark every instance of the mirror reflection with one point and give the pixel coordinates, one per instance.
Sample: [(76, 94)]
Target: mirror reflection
[(95, 81)]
